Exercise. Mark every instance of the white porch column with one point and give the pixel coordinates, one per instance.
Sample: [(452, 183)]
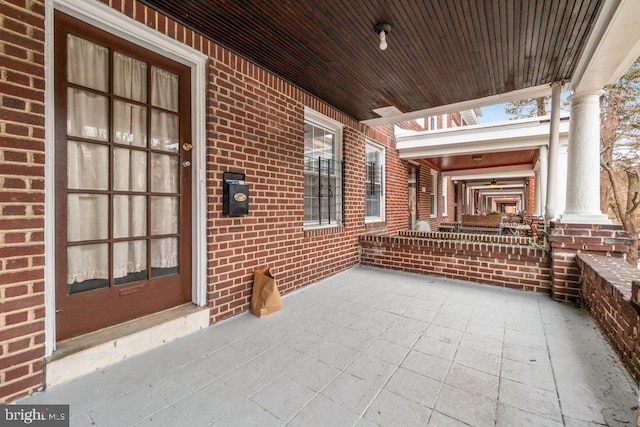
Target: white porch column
[(583, 169), (537, 208), (544, 159), (554, 142)]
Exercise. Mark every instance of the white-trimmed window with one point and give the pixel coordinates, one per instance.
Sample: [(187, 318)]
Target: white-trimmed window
[(374, 192), (434, 194), (445, 194), (323, 171)]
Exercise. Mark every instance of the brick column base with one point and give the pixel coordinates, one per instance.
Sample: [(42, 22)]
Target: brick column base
[(568, 240)]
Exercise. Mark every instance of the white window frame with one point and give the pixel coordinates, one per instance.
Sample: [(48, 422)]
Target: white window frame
[(380, 149), (445, 194), (110, 20), (318, 119), (434, 194)]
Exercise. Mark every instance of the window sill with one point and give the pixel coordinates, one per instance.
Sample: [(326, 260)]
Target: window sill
[(373, 220), (321, 230)]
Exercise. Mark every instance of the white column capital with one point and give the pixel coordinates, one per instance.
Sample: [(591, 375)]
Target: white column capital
[(585, 97)]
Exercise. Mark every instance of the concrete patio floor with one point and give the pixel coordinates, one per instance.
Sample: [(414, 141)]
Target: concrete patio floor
[(372, 347)]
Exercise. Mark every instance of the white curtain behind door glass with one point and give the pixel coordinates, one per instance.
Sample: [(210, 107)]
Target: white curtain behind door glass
[(164, 169), (88, 117)]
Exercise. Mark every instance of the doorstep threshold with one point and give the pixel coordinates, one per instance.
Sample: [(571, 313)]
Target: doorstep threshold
[(78, 356)]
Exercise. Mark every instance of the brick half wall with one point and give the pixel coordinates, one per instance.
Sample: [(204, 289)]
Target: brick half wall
[(511, 266), (569, 240), (607, 294)]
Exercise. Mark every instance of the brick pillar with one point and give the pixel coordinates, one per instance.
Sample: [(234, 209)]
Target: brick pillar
[(568, 240), (21, 198)]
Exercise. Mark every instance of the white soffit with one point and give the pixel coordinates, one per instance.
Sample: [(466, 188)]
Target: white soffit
[(512, 135), (613, 46)]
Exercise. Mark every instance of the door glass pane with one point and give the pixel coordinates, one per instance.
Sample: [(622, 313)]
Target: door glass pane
[(87, 217), (129, 261), (129, 216), (164, 215), (164, 173), (87, 114), (129, 124), (129, 77), (164, 89), (164, 256), (129, 170), (164, 131), (87, 166), (87, 267), (87, 63)]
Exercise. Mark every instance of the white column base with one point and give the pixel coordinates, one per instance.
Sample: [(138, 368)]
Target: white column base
[(569, 218), (549, 214)]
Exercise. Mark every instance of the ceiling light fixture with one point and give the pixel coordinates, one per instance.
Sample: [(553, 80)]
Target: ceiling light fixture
[(477, 158), (382, 29), (493, 183)]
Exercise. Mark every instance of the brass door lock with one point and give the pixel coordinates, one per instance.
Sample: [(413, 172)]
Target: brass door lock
[(186, 146)]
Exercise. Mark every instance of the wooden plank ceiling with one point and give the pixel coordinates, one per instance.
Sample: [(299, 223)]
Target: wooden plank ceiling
[(449, 163), (440, 51)]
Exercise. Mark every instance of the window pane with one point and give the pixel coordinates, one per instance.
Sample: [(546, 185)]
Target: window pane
[(129, 216), (164, 215), (87, 217), (164, 256), (164, 89), (311, 201), (164, 131), (87, 267), (87, 166), (308, 139), (319, 142), (130, 170), (87, 114), (129, 124), (373, 190), (323, 182), (130, 77), (87, 63), (165, 172), (129, 261)]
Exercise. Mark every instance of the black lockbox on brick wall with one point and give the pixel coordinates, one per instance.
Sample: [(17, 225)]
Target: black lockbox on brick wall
[(235, 194)]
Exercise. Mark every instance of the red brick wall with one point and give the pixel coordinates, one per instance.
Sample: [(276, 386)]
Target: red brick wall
[(568, 240), (531, 196), (606, 293), (425, 181), (21, 198), (254, 125), (518, 267), (396, 185)]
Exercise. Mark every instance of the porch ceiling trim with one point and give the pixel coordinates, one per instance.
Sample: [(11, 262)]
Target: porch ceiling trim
[(518, 171), (514, 135), (532, 92)]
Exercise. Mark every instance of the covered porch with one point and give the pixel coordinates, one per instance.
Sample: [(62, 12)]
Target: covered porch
[(372, 347), (363, 343)]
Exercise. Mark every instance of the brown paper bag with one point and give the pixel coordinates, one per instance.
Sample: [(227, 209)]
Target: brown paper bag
[(265, 298)]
